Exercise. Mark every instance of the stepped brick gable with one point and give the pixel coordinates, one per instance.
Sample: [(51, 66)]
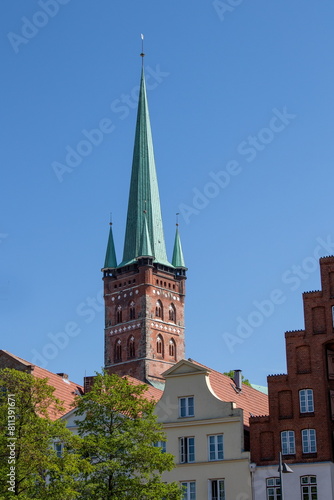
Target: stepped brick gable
[(301, 402)]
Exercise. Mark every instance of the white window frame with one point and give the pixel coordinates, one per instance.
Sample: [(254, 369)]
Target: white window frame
[(309, 441), (59, 448), (189, 490), (187, 449), (219, 495), (162, 445), (306, 401), (217, 441), (307, 484), (186, 407), (273, 488), (288, 442)]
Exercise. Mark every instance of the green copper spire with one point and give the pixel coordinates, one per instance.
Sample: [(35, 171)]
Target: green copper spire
[(178, 260), (144, 192), (110, 260), (145, 249)]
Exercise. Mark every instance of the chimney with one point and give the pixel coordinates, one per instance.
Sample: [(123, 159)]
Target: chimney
[(238, 379)]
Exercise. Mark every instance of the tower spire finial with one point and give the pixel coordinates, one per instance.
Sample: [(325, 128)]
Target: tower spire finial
[(142, 48), (144, 191)]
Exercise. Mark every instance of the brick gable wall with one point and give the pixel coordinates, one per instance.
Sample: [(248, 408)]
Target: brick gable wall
[(310, 365)]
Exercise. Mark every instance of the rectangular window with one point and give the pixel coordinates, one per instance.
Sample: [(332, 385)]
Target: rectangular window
[(288, 442), (187, 450), (217, 489), (162, 445), (216, 449), (306, 401), (309, 487), (273, 488), (309, 441), (186, 406), (189, 490), (58, 449)]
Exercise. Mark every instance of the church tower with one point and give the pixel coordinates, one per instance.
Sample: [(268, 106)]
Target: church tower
[(144, 294)]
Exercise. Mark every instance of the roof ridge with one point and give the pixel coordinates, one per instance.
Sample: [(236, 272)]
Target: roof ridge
[(28, 363)]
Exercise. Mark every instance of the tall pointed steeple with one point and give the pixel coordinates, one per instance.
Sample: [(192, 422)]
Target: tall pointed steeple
[(144, 192), (178, 259), (144, 294), (110, 260)]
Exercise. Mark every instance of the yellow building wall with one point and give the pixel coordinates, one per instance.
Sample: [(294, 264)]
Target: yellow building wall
[(211, 416)]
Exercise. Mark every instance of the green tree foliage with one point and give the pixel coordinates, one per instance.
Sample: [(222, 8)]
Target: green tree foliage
[(244, 380), (29, 465), (118, 428)]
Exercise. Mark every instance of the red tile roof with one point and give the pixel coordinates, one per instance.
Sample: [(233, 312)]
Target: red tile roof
[(65, 390), (252, 401), (151, 393)]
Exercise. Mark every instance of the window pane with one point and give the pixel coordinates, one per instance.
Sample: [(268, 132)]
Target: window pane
[(190, 407), (192, 490), (214, 492), (221, 490), (191, 448), (182, 454), (183, 407)]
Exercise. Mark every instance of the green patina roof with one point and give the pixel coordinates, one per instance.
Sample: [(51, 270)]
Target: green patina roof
[(178, 259), (144, 193), (110, 260)]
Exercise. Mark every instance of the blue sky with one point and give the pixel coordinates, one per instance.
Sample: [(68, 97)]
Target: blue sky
[(240, 97)]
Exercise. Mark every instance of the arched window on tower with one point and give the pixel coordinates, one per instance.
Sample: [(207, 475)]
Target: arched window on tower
[(119, 314), (172, 348), (160, 345), (172, 313), (132, 310), (118, 350), (159, 309), (131, 347)]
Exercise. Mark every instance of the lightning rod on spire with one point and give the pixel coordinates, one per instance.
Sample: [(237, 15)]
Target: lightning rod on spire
[(142, 47)]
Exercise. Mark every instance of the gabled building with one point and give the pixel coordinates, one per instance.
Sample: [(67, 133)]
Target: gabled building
[(144, 292), (300, 423), (65, 390), (205, 415)]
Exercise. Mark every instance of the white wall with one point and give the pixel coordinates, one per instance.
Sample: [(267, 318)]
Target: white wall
[(324, 471)]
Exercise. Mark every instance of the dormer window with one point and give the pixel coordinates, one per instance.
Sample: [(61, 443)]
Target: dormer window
[(186, 406)]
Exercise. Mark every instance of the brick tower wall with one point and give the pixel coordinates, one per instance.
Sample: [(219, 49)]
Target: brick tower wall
[(133, 322)]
